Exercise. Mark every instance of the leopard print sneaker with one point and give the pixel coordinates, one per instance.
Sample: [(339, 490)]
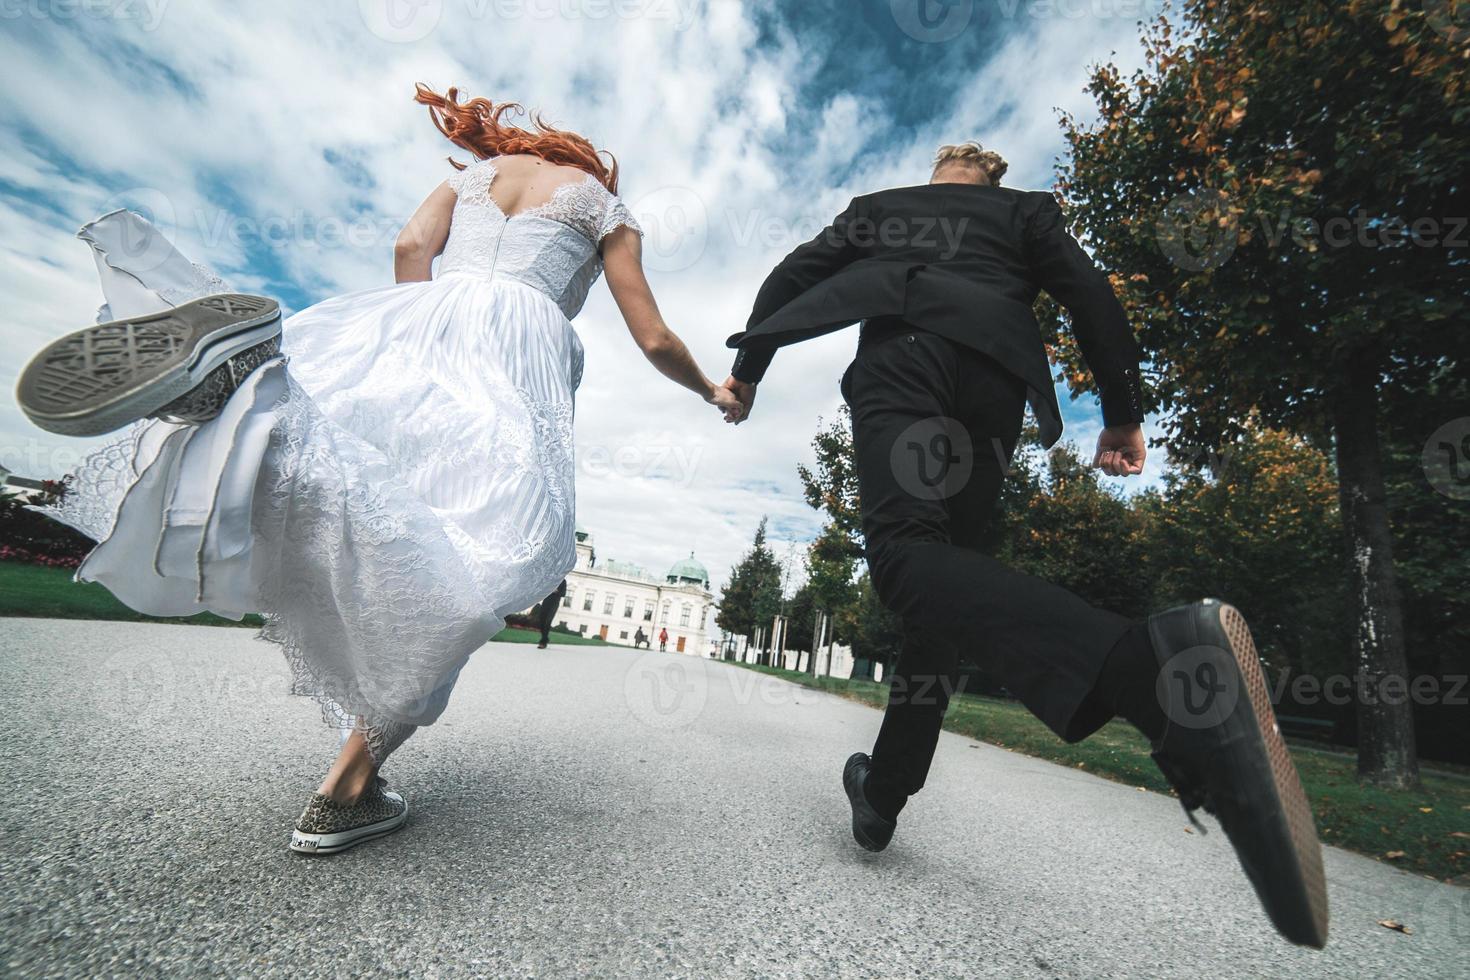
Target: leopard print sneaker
[(327, 826)]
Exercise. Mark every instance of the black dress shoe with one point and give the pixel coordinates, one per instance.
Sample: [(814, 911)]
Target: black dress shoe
[(869, 828), (1222, 750)]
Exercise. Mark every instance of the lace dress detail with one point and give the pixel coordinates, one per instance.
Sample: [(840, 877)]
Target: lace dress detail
[(552, 247), (386, 490)]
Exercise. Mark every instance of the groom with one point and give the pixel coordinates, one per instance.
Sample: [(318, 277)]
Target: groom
[(943, 277)]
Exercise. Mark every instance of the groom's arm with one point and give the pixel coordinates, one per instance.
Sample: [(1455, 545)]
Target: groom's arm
[(835, 247), (1101, 327)]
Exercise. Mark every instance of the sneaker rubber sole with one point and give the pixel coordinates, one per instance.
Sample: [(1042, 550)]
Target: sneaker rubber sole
[(303, 843), (104, 377), (1303, 875)]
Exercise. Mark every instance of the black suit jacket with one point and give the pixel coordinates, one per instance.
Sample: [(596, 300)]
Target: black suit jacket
[(959, 260)]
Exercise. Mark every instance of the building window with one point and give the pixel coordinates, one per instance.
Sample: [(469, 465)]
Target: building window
[(648, 611), (566, 601), (627, 609), (587, 601), (623, 635), (607, 604), (684, 615), (665, 617), (582, 629)]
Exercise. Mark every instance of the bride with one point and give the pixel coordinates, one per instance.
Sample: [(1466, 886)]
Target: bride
[(385, 475)]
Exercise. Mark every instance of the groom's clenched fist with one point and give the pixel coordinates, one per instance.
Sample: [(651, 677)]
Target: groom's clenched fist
[(743, 390)]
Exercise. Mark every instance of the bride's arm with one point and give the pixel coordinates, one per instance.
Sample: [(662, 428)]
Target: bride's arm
[(622, 261), (423, 237)]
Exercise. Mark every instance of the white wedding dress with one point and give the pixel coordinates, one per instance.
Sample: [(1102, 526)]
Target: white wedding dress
[(387, 490)]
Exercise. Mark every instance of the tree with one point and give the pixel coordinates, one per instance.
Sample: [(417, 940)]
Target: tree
[(1068, 528), (1280, 184), (874, 633), (752, 597), (1260, 528)]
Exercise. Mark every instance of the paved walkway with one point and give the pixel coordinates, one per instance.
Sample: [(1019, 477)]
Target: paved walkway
[(599, 812)]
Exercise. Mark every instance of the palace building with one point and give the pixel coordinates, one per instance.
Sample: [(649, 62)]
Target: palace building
[(614, 599)]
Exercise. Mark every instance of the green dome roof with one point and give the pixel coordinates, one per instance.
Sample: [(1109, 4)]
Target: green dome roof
[(689, 569)]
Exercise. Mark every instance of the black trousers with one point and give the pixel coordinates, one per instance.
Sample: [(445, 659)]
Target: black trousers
[(549, 607), (934, 426)]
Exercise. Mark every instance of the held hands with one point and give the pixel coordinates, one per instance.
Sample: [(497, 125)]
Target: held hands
[(729, 404), (743, 393), (1120, 450)]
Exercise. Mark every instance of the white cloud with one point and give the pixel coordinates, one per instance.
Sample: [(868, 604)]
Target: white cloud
[(234, 115)]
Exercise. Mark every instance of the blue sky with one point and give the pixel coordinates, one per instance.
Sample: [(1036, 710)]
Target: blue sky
[(277, 143)]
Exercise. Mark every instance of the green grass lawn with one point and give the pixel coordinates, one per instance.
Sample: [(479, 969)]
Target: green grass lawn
[(1421, 824), (34, 590), (513, 634), (50, 593)]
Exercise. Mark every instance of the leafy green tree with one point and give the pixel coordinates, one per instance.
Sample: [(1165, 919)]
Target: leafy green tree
[(1062, 524), (752, 597), (1259, 528), (1279, 188), (1431, 530), (873, 633)]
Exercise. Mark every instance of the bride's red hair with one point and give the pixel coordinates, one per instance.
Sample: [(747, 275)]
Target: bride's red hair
[(476, 125)]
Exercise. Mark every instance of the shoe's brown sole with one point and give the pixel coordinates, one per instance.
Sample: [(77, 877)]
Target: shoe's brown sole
[(1293, 801)]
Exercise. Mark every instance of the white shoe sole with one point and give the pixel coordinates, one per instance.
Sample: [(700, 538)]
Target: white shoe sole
[(103, 377), (342, 840)]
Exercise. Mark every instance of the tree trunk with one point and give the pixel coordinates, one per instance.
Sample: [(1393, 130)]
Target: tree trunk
[(817, 627), (1387, 755)]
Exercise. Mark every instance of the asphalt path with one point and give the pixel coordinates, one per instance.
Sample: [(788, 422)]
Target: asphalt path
[(595, 811)]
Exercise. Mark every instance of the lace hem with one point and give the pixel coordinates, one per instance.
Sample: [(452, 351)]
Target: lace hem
[(93, 492)]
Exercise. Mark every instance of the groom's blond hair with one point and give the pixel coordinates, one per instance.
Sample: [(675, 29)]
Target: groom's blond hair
[(970, 155)]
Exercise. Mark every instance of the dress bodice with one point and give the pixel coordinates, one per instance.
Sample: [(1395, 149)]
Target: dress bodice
[(552, 247)]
